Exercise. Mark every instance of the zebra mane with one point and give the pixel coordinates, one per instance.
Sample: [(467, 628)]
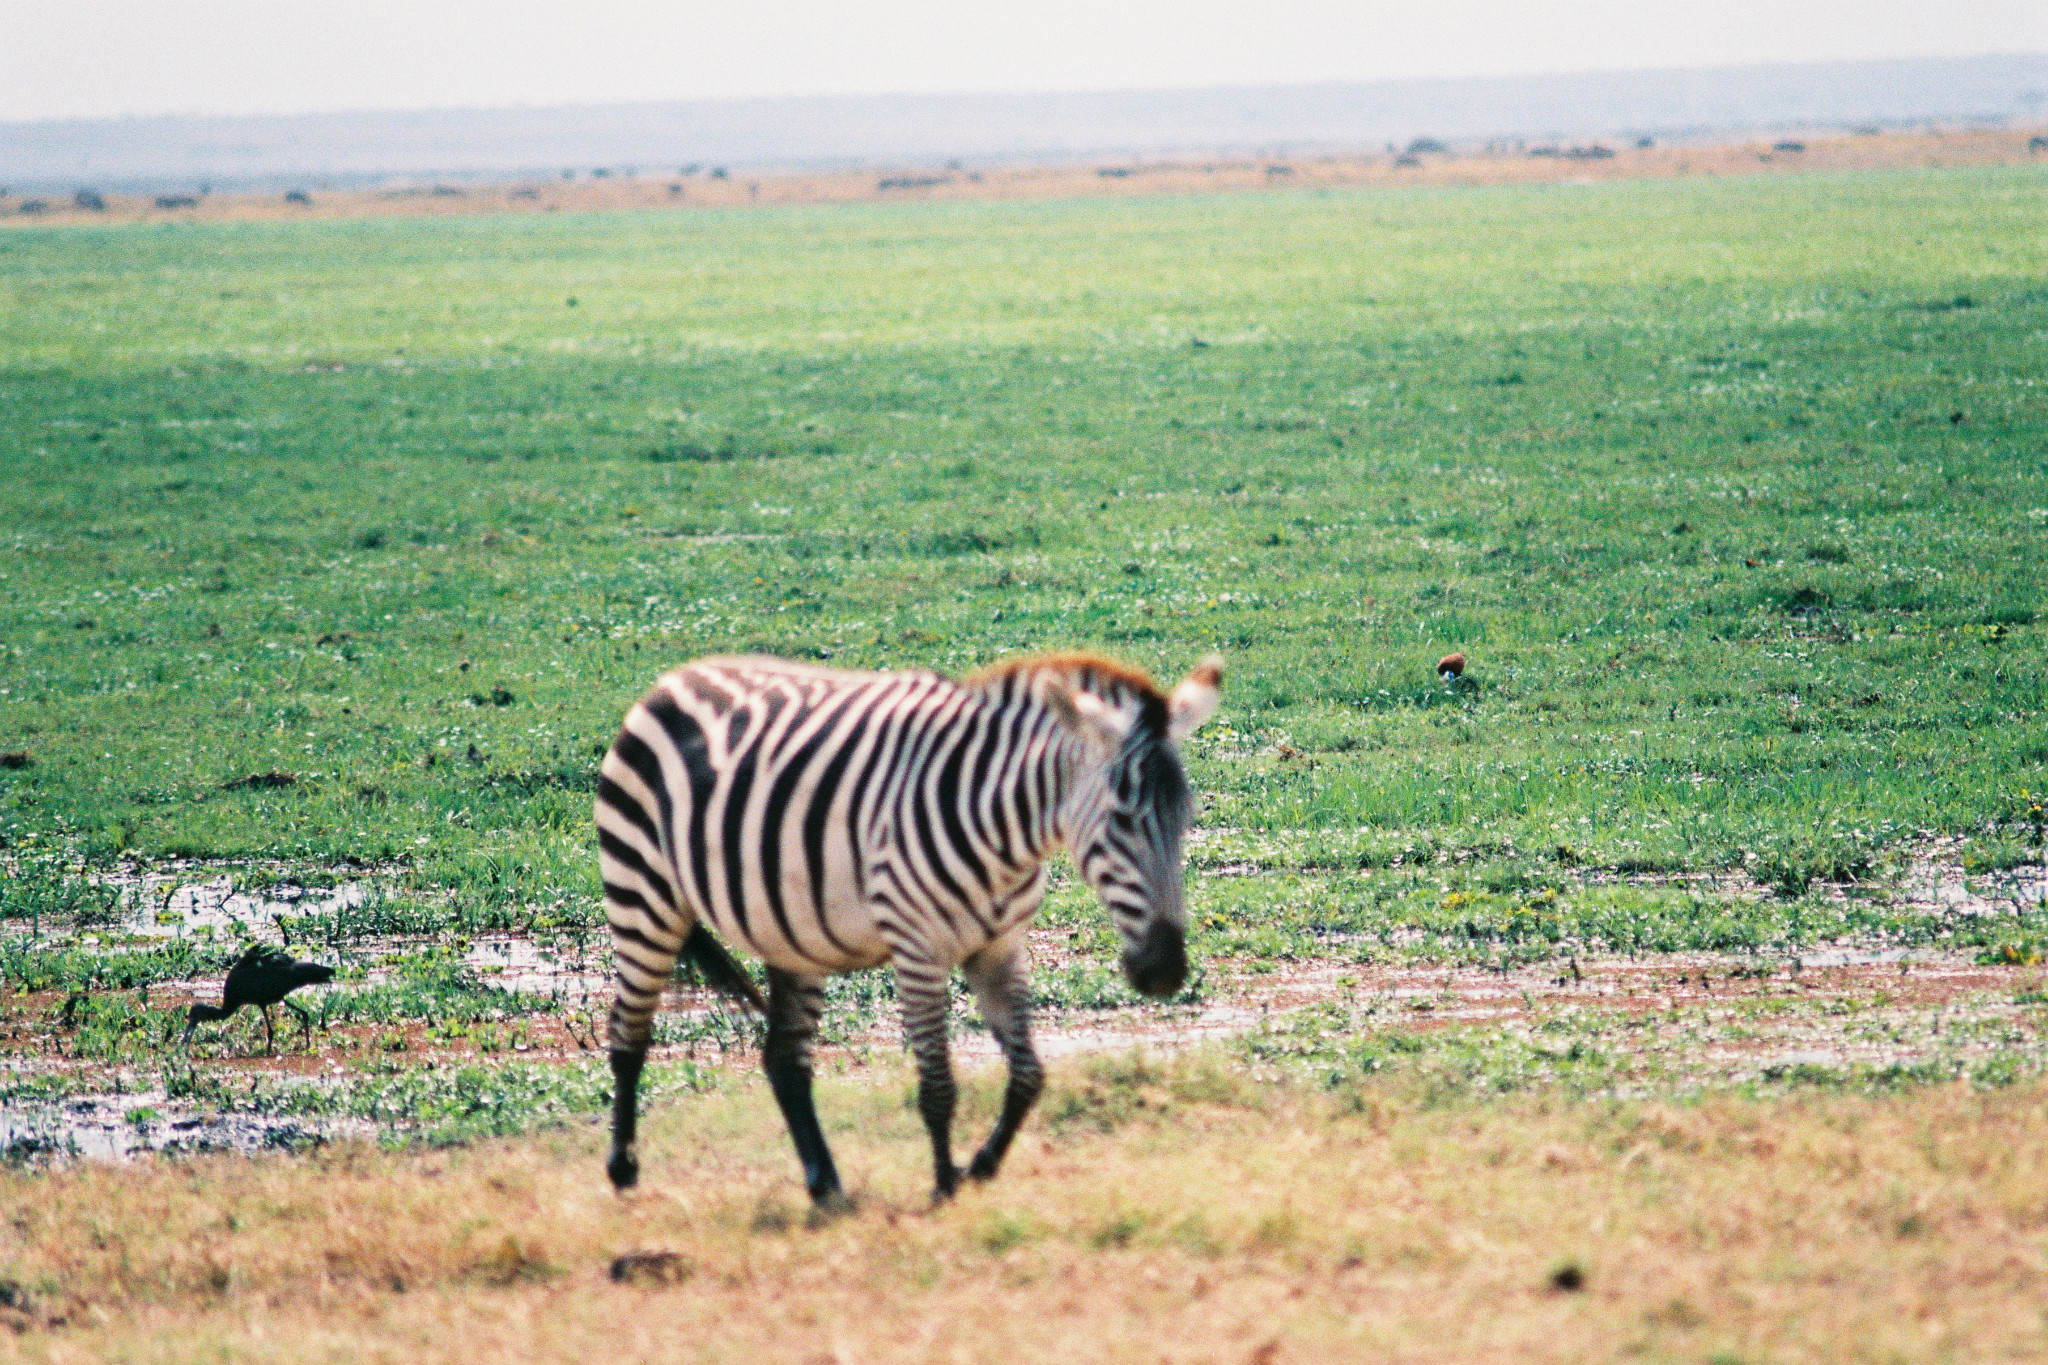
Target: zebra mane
[(1095, 672), (1163, 779)]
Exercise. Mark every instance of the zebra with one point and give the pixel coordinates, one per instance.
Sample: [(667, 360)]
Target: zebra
[(830, 821)]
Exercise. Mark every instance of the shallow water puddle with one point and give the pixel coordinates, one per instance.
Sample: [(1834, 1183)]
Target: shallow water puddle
[(515, 962), (130, 1123), (189, 900)]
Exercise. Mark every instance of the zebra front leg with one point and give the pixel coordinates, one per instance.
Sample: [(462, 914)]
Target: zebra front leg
[(923, 992), (794, 1006), (997, 975)]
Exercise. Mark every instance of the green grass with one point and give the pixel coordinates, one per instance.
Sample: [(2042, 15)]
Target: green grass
[(371, 505), (440, 1104), (1588, 1054)]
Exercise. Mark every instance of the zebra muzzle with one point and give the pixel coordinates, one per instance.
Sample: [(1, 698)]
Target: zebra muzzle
[(1157, 965)]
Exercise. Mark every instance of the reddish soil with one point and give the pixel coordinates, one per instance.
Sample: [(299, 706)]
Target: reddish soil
[(1528, 164)]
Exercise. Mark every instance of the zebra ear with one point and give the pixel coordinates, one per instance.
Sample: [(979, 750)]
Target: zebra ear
[(1194, 701), (1086, 714)]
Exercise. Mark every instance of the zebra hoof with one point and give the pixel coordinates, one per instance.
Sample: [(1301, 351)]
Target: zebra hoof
[(948, 1185), (828, 1207), (623, 1168), (984, 1166)]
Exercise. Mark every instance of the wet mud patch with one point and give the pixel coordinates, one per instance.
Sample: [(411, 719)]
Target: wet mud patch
[(432, 1037), (119, 1125)]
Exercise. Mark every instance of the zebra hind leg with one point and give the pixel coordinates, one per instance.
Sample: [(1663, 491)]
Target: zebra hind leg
[(924, 1000), (631, 1028), (643, 960), (629, 1055), (997, 975), (794, 1006)]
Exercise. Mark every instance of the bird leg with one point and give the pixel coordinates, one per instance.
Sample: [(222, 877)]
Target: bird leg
[(269, 1033), (305, 1021)]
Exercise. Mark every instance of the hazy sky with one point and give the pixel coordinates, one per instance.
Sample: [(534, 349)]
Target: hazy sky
[(83, 58)]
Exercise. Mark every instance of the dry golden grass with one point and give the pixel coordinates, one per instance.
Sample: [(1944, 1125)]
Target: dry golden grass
[(1865, 152), (1177, 1211)]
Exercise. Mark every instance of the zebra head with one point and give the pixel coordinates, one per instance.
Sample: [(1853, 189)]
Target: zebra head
[(1124, 817)]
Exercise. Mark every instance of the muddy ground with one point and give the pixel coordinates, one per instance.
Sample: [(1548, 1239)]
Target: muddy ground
[(1841, 1013)]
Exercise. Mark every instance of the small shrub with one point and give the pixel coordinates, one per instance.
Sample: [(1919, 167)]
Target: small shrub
[(1117, 1232), (1005, 1229)]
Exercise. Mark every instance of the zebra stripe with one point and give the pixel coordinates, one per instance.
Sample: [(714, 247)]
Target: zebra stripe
[(828, 821)]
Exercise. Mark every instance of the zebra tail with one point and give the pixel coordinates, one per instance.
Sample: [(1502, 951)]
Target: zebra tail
[(720, 969)]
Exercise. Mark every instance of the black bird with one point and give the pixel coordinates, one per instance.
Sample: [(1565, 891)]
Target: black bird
[(263, 976)]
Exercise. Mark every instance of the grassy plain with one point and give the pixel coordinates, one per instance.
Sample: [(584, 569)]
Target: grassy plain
[(333, 500), (340, 546)]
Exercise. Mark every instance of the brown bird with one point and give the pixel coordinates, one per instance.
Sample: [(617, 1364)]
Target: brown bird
[(1451, 667), (263, 976)]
